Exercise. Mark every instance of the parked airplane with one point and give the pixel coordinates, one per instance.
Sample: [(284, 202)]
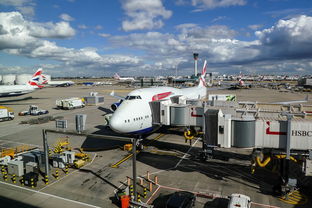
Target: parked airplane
[(63, 83), (16, 90), (123, 79), (133, 114)]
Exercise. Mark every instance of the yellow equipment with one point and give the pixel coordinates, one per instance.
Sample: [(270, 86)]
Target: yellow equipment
[(9, 109), (82, 155), (127, 147), (8, 152), (79, 163), (190, 134), (61, 145)]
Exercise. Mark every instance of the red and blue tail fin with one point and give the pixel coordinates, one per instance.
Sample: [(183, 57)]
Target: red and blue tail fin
[(44, 79), (34, 81), (202, 82)]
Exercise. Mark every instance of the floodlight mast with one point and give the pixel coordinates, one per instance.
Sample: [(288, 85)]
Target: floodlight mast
[(195, 63)]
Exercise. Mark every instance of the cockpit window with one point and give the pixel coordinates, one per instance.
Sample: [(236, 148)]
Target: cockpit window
[(132, 97)]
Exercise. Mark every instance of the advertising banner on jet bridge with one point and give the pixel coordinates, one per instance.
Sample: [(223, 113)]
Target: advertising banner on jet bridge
[(273, 134), (222, 97)]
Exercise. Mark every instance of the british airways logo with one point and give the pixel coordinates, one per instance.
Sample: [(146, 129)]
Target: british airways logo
[(36, 79), (161, 96)]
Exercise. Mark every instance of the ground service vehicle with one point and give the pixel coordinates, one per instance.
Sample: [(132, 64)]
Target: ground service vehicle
[(34, 111), (182, 199), (70, 103), (6, 113), (239, 200)]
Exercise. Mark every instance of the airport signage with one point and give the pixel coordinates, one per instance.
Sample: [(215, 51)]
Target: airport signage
[(301, 133)]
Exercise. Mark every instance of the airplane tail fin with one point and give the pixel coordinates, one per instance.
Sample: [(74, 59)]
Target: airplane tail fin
[(241, 82), (34, 81), (202, 82), (116, 76), (44, 79)]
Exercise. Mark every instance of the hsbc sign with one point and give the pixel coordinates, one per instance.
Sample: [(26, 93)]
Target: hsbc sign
[(301, 133)]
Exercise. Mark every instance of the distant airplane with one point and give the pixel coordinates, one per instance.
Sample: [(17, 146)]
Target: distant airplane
[(123, 79), (240, 84), (133, 114), (63, 83), (16, 90)]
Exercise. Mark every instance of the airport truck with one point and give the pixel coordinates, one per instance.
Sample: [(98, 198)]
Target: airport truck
[(34, 111), (70, 103), (6, 113)]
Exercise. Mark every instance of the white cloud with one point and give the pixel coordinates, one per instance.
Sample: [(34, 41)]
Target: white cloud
[(98, 27), (21, 32), (288, 38), (104, 35), (66, 17), (219, 18), (255, 27), (51, 30), (25, 38), (215, 42), (287, 46), (143, 15), (186, 26), (82, 27), (26, 7), (211, 4)]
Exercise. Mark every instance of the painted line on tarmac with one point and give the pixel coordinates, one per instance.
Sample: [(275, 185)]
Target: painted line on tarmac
[(159, 171), (51, 195), (10, 141), (156, 172), (66, 175), (264, 205), (184, 156), (116, 165), (153, 194)]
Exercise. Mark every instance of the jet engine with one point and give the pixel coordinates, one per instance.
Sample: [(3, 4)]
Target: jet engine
[(114, 106)]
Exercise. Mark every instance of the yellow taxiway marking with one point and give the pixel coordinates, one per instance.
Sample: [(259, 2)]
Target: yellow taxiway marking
[(116, 165), (156, 138), (295, 198)]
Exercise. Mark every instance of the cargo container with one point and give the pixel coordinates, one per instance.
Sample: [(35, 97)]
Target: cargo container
[(31, 167), (16, 167), (6, 113), (94, 99)]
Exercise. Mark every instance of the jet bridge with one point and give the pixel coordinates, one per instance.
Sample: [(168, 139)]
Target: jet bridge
[(180, 113), (275, 138)]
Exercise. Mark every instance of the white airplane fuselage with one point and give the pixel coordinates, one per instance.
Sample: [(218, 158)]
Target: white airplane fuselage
[(14, 90), (60, 83), (126, 79), (134, 116)]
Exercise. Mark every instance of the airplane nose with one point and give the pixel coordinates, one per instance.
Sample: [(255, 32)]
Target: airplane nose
[(115, 124)]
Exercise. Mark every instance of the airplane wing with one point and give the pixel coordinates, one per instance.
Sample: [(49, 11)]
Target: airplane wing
[(116, 96)]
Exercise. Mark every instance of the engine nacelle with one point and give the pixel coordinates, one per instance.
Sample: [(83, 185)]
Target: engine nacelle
[(114, 106)]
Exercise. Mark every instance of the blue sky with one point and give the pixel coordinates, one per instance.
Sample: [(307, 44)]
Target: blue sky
[(154, 37)]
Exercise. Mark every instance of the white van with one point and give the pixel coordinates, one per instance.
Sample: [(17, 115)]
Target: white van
[(239, 201)]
